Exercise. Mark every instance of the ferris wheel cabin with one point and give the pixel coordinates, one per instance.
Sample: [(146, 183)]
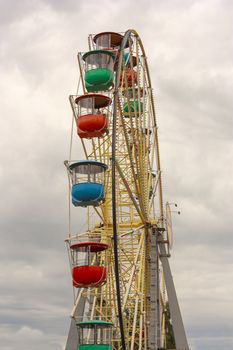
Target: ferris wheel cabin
[(87, 178), (133, 108), (88, 269), (129, 74), (109, 41), (129, 60), (90, 119), (99, 70), (95, 335), (133, 105)]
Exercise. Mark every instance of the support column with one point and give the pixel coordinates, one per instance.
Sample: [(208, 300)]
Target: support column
[(177, 322), (72, 339), (154, 329)]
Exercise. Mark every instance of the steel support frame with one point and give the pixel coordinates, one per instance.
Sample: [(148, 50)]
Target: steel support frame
[(177, 322)]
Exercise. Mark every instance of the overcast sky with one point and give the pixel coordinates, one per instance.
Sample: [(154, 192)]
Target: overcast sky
[(190, 53)]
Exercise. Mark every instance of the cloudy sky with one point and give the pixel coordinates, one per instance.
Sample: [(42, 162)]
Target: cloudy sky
[(190, 52)]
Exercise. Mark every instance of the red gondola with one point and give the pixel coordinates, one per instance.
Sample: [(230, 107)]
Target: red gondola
[(91, 121), (131, 76), (87, 269)]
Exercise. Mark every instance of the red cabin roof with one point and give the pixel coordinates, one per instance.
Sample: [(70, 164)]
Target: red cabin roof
[(100, 101), (94, 246), (134, 61), (116, 38)]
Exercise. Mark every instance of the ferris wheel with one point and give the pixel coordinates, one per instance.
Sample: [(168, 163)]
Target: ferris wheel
[(119, 264)]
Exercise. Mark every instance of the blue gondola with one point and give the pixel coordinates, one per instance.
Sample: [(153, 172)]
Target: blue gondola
[(87, 183)]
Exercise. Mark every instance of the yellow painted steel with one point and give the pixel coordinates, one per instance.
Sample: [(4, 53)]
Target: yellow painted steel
[(139, 205)]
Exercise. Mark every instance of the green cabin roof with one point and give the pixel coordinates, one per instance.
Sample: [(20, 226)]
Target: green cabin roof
[(95, 322), (95, 52)]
